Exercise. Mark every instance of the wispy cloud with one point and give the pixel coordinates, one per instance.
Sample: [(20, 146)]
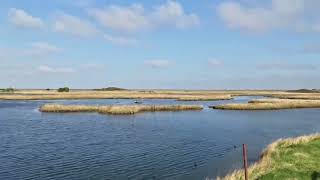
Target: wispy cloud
[(282, 14), (287, 66), (158, 63), (307, 48), (120, 40), (48, 69), (41, 49), (129, 18), (135, 17), (65, 23), (21, 18), (172, 13), (215, 63)]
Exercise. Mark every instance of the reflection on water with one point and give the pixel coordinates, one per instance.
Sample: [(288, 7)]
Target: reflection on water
[(162, 145)]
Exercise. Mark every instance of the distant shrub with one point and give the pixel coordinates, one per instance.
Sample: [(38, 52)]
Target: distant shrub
[(64, 89), (8, 90), (48, 89)]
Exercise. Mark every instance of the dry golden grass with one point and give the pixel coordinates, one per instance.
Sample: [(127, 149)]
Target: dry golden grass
[(37, 95), (205, 98), (68, 108), (270, 104), (307, 96), (116, 109), (267, 163)]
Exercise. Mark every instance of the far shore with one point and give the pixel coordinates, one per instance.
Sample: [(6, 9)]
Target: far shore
[(180, 95)]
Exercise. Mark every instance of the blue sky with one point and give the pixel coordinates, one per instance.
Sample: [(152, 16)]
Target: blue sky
[(209, 44)]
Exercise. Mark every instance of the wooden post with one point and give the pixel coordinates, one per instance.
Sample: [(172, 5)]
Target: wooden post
[(245, 161)]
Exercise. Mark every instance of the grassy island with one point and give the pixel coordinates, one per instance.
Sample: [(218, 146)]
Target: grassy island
[(270, 104), (116, 109)]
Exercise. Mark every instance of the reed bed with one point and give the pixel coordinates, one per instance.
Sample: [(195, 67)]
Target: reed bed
[(270, 104), (117, 109), (291, 158), (58, 108)]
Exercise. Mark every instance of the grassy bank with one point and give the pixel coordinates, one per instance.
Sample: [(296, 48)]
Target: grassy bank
[(292, 158), (116, 109), (270, 104)]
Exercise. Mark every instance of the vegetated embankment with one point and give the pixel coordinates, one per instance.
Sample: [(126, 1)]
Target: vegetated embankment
[(270, 104), (116, 109), (292, 158)]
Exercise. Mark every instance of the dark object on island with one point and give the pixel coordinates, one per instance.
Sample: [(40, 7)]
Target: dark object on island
[(305, 91), (138, 102), (110, 89), (64, 89)]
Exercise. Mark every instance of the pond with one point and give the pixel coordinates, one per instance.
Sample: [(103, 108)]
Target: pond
[(161, 145)]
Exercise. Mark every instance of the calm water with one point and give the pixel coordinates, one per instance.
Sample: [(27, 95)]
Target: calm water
[(162, 145)]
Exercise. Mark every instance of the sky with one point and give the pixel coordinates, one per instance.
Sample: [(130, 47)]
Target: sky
[(160, 44)]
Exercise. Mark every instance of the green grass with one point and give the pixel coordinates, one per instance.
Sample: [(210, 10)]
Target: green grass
[(292, 158), (300, 161)]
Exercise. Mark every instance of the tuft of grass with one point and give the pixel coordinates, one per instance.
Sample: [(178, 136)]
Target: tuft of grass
[(292, 158), (270, 104), (116, 109)]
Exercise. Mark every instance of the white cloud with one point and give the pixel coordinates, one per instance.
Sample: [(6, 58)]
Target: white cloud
[(135, 17), (65, 23), (48, 69), (173, 13), (215, 63), (297, 15), (120, 40), (129, 18), (41, 49), (158, 63), (20, 18)]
